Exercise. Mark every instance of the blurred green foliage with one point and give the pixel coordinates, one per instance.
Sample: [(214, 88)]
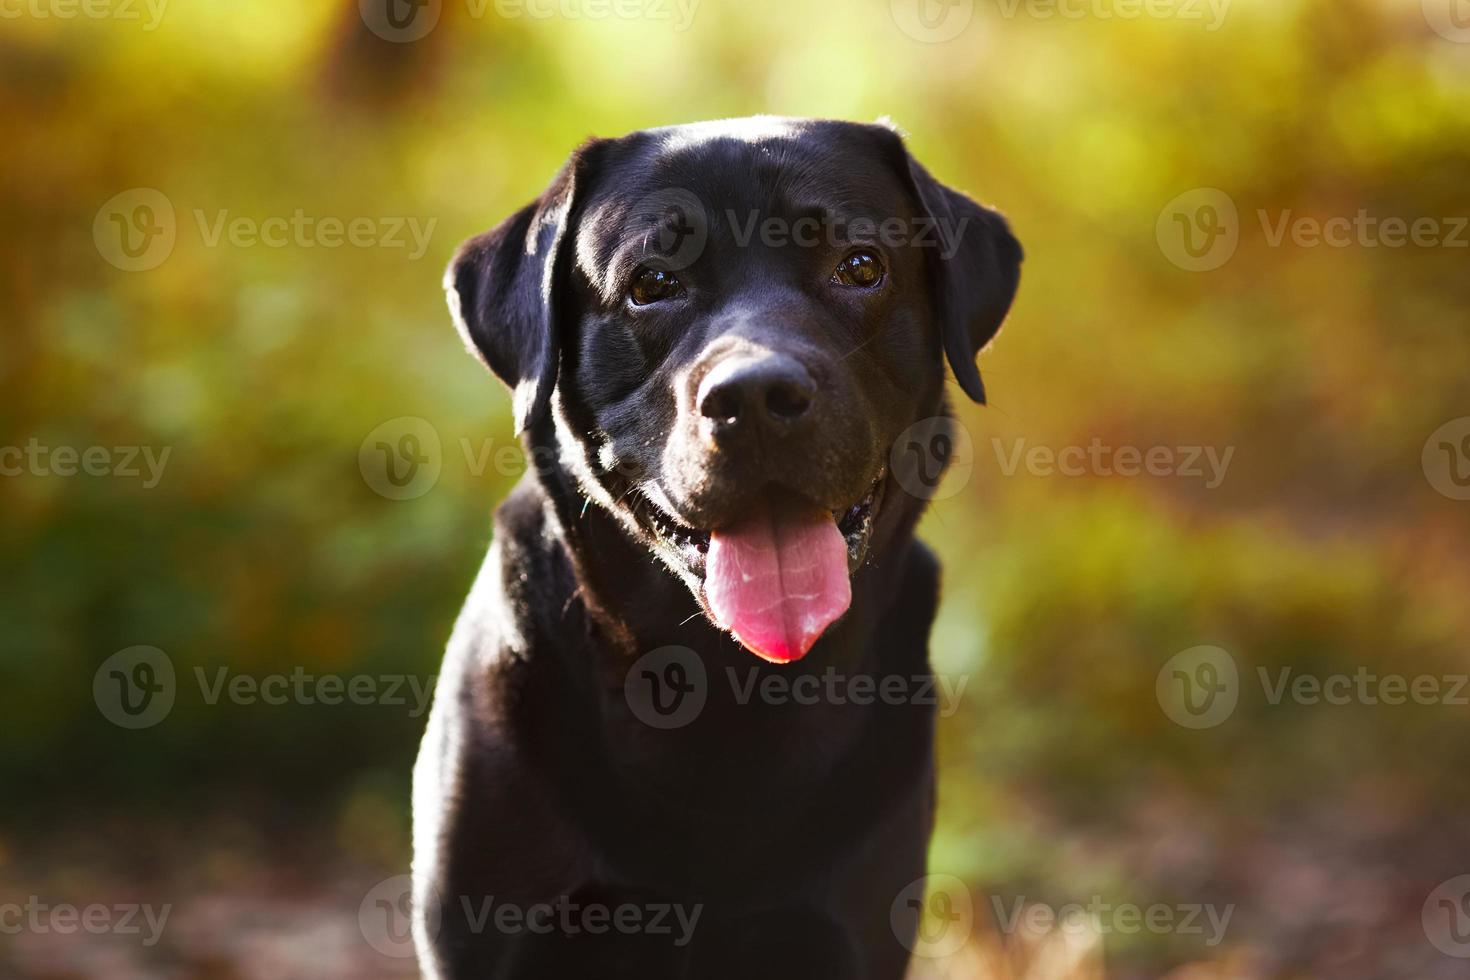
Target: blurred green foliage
[(263, 369)]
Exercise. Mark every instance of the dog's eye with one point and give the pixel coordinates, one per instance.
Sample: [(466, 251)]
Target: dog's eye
[(862, 268), (652, 285)]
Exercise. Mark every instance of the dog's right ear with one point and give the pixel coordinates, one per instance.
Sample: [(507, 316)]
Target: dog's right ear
[(975, 271), (501, 288)]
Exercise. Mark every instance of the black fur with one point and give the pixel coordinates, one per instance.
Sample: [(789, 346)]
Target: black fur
[(791, 827)]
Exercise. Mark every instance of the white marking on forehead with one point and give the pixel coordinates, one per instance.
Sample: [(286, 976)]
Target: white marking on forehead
[(750, 129)]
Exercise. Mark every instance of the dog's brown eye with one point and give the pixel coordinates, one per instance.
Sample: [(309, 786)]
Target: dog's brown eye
[(652, 285), (862, 269)]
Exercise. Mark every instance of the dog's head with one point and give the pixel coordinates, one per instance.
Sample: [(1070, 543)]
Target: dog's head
[(724, 327)]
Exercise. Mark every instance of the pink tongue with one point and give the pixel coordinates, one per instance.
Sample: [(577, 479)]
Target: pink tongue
[(778, 578)]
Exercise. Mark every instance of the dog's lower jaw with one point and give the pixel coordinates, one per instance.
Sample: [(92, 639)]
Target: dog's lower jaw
[(647, 517)]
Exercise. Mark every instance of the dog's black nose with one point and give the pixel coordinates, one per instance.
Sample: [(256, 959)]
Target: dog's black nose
[(771, 391)]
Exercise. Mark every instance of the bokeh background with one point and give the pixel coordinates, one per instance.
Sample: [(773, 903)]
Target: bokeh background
[(1333, 375)]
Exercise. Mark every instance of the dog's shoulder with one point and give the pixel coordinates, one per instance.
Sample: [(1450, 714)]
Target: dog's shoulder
[(525, 573), (922, 566), (524, 525), (918, 593)]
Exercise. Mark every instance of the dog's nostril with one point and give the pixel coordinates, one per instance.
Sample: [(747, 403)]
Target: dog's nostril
[(788, 399), (721, 405)]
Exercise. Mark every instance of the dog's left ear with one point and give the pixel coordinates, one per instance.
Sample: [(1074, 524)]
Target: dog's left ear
[(974, 272), (501, 288)]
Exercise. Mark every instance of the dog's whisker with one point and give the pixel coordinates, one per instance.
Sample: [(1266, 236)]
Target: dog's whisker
[(858, 347)]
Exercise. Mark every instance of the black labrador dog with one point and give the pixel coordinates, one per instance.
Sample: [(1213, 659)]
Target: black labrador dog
[(725, 342)]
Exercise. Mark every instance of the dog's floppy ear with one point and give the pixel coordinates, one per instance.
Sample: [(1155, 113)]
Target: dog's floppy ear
[(501, 288), (974, 272)]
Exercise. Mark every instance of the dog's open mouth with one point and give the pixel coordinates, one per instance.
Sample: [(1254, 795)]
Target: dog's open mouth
[(780, 574), (855, 523)]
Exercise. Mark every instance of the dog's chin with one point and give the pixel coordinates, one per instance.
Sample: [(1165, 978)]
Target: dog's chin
[(776, 573)]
